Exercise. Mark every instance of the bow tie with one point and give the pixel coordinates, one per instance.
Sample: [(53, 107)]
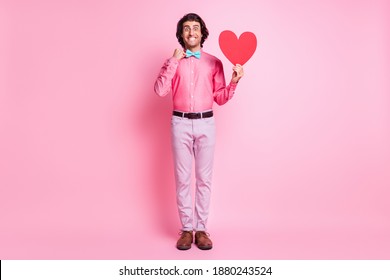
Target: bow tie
[(190, 53)]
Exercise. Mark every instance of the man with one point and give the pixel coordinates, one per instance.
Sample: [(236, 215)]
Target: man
[(196, 79)]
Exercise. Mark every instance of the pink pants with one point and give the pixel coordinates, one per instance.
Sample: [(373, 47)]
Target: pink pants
[(193, 138)]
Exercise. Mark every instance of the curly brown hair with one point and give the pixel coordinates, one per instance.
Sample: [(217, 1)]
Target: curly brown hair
[(191, 17)]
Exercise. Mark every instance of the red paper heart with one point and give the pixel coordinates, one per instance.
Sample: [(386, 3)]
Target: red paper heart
[(237, 50)]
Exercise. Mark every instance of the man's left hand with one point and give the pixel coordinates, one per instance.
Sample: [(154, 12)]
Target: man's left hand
[(238, 72)]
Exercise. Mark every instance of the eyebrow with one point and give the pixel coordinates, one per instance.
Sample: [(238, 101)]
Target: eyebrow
[(198, 25)]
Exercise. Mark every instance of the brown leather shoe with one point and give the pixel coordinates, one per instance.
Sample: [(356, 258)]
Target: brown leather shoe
[(185, 240), (203, 241)]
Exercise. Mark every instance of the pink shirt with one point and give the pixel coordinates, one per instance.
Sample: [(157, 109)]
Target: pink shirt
[(194, 83)]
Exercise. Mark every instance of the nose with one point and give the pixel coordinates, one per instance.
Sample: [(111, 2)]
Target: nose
[(191, 31)]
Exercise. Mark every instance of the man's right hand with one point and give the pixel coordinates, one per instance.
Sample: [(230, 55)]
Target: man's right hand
[(179, 54)]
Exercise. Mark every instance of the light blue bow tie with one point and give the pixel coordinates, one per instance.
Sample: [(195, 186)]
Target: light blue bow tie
[(190, 53)]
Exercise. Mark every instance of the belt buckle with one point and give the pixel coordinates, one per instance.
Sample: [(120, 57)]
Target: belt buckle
[(193, 115)]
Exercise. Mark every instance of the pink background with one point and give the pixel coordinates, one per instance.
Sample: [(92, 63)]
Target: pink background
[(302, 160)]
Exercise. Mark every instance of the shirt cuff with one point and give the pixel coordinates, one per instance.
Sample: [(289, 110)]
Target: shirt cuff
[(233, 86), (173, 59)]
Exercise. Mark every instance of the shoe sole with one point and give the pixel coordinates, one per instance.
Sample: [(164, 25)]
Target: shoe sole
[(183, 248), (205, 247)]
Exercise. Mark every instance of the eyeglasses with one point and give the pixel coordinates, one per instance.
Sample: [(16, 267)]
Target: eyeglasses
[(187, 29)]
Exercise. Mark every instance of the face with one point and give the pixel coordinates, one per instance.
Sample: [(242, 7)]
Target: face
[(192, 35)]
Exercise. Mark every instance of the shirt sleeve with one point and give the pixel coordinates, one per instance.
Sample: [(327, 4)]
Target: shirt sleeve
[(163, 83), (222, 93)]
